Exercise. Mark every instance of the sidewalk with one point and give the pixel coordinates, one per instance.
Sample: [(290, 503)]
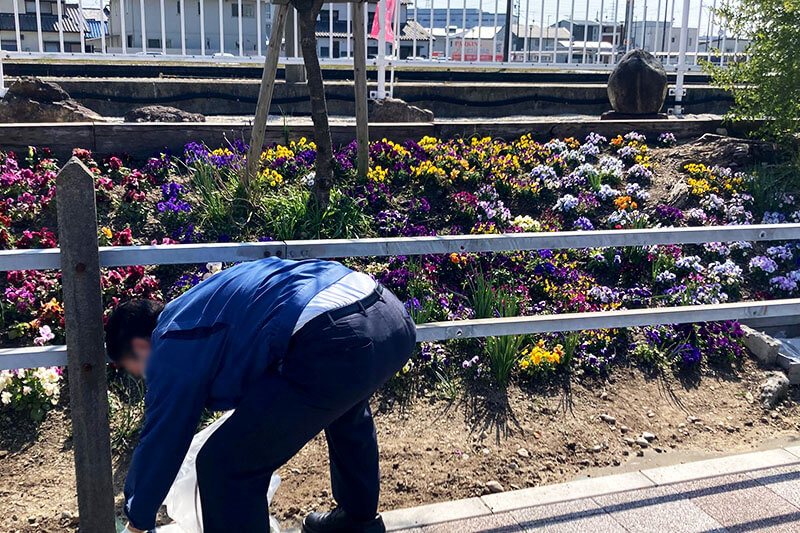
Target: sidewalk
[(757, 491)]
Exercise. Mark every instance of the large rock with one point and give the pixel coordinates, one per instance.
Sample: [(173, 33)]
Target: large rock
[(773, 389), (713, 149), (162, 113), (33, 100), (638, 84), (761, 345), (395, 110)]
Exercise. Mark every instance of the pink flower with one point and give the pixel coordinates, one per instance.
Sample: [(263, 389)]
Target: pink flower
[(45, 335)]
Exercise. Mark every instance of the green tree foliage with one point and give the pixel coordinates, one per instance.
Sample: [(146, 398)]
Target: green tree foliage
[(767, 83)]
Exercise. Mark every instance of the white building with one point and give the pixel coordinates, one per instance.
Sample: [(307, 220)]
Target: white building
[(528, 37), (218, 18), (330, 44), (659, 36), (72, 24)]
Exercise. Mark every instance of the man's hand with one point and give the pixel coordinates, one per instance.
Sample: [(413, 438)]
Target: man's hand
[(130, 529)]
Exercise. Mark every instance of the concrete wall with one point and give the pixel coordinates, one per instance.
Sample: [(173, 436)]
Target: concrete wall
[(152, 138), (114, 97)]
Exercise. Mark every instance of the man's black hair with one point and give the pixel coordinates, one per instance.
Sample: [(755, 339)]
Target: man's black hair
[(136, 318)]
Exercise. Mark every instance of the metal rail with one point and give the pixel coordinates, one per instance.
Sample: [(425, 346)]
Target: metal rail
[(31, 357), (231, 252), (171, 254)]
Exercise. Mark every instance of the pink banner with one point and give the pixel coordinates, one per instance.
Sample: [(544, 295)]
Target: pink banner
[(376, 27)]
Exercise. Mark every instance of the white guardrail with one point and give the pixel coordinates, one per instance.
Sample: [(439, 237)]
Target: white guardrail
[(43, 259), (470, 34)]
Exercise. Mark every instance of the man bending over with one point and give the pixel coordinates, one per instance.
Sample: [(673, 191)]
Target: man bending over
[(295, 348)]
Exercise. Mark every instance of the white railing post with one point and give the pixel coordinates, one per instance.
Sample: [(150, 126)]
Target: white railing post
[(258, 26), (143, 26), (679, 91), (183, 27), (221, 28), (60, 27), (81, 24), (17, 33), (103, 22), (380, 93), (39, 26), (3, 89), (123, 34), (163, 27), (239, 27)]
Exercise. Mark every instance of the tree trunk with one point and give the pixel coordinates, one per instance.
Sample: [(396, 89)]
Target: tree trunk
[(307, 21)]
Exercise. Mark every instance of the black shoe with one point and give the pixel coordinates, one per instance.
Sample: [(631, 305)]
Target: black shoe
[(337, 521)]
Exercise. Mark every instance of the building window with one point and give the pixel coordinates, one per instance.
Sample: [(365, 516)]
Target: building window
[(153, 43), (45, 7), (325, 15), (178, 4), (51, 46), (130, 40), (9, 46), (248, 10), (323, 51)]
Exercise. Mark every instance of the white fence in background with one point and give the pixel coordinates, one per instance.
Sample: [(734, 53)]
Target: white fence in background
[(558, 35), (43, 259)]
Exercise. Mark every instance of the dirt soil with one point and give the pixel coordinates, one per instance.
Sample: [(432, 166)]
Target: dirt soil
[(433, 449)]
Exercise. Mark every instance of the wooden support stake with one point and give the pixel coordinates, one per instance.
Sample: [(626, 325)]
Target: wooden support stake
[(360, 74), (265, 92), (86, 358)]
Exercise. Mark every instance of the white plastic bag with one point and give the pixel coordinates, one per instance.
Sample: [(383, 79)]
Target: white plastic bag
[(183, 499)]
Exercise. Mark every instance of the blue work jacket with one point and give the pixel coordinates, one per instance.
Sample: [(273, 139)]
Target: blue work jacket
[(209, 346)]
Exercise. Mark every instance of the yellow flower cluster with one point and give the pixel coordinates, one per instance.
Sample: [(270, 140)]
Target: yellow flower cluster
[(302, 145), (527, 223), (280, 151), (272, 177), (484, 228), (642, 158), (221, 151), (601, 335), (703, 180), (538, 357), (377, 174), (525, 142), (428, 143), (443, 167), (397, 150), (428, 168)]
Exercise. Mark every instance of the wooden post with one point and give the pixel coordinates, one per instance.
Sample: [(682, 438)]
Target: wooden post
[(294, 73), (265, 92), (360, 79), (83, 307)]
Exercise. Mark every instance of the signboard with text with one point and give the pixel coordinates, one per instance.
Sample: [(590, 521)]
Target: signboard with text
[(471, 47)]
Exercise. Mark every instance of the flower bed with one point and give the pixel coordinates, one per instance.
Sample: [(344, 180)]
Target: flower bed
[(477, 185)]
